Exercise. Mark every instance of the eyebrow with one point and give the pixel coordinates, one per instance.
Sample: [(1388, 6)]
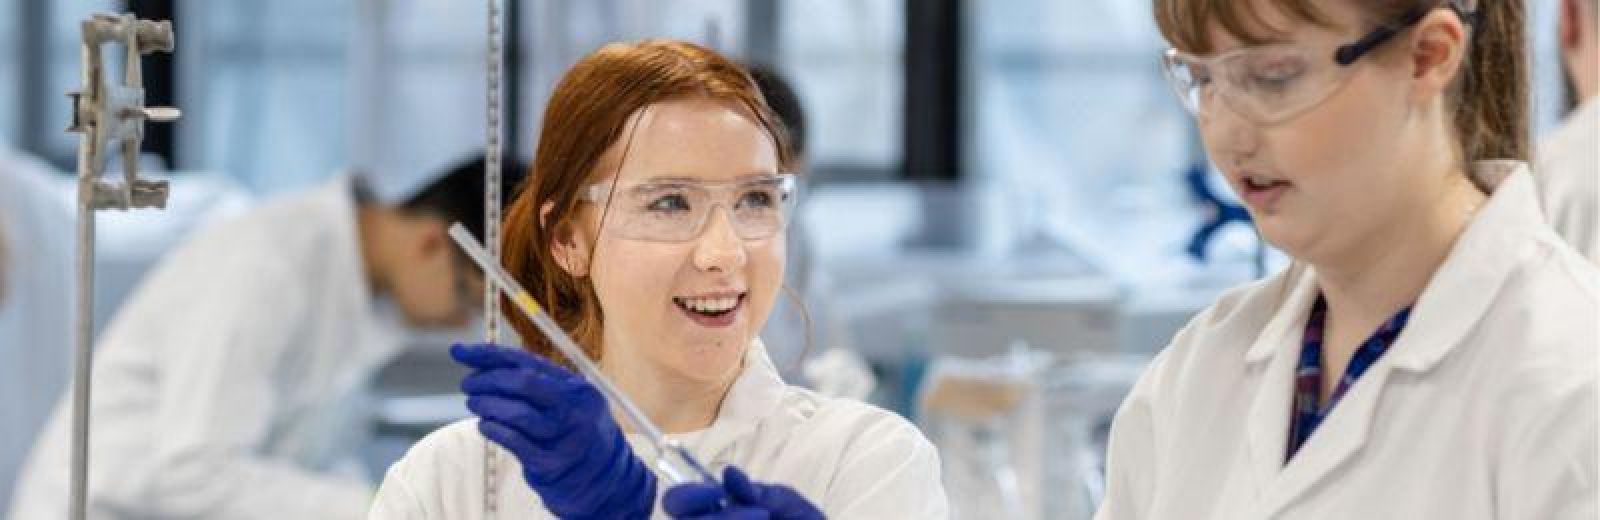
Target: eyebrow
[(1255, 41), (686, 179)]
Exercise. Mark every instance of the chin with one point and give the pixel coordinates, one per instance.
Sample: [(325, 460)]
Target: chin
[(711, 360), (1299, 243)]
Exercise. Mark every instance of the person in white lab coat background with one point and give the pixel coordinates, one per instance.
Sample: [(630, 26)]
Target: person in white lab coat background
[(653, 230), (231, 382), (1568, 168), (37, 231), (1431, 352)]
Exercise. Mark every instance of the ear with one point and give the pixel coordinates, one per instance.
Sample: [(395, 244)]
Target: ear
[(569, 248), (1436, 53)]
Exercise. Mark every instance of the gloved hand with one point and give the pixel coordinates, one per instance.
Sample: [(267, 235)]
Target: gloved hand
[(747, 499), (560, 429)]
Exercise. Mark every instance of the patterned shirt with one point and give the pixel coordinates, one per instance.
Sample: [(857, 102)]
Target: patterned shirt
[(1308, 410)]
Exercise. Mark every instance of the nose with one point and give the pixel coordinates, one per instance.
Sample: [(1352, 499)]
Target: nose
[(719, 248), (1226, 133)]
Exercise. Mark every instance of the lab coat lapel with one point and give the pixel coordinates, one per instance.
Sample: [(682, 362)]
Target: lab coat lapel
[(1272, 357), (1336, 440), (1339, 437)]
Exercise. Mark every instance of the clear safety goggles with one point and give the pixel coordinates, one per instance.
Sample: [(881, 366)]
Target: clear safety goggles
[(676, 210), (1271, 84)]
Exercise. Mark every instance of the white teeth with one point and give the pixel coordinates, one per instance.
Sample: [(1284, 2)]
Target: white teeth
[(709, 304)]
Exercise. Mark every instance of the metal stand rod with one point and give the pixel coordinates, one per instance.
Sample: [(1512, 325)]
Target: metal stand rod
[(493, 153), (104, 113), (82, 350)]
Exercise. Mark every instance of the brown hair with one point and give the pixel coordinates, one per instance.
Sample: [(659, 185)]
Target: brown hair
[(1491, 95), (586, 115)]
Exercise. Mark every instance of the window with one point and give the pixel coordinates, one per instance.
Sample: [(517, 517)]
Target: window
[(11, 79), (845, 60), (38, 119), (264, 89), (1073, 124), (557, 33), (286, 93)]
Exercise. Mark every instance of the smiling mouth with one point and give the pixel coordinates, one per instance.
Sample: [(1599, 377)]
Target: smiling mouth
[(710, 307)]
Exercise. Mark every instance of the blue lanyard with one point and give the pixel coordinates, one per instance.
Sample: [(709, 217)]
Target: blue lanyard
[(1308, 411)]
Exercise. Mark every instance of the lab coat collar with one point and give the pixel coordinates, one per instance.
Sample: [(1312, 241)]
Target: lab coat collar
[(381, 338), (1454, 300), (1586, 112), (754, 400), (1299, 286), (754, 395), (1482, 259)]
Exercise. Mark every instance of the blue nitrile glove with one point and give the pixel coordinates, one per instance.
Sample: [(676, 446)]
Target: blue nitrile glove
[(747, 499), (560, 429)]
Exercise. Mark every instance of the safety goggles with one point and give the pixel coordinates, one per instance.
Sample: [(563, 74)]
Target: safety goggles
[(1271, 84), (676, 209)]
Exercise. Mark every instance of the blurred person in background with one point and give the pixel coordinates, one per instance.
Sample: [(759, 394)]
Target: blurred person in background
[(232, 383), (37, 232), (1569, 159)]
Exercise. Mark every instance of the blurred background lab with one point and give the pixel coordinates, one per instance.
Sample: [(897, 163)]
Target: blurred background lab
[(1005, 212)]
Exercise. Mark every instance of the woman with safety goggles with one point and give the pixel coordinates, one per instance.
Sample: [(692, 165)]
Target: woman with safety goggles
[(652, 229), (1431, 351)]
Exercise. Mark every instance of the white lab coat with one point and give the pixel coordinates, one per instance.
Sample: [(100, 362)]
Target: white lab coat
[(1569, 179), (1485, 406), (229, 384), (36, 306), (849, 458)]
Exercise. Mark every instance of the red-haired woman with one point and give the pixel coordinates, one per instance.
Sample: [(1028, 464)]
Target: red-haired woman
[(652, 228)]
